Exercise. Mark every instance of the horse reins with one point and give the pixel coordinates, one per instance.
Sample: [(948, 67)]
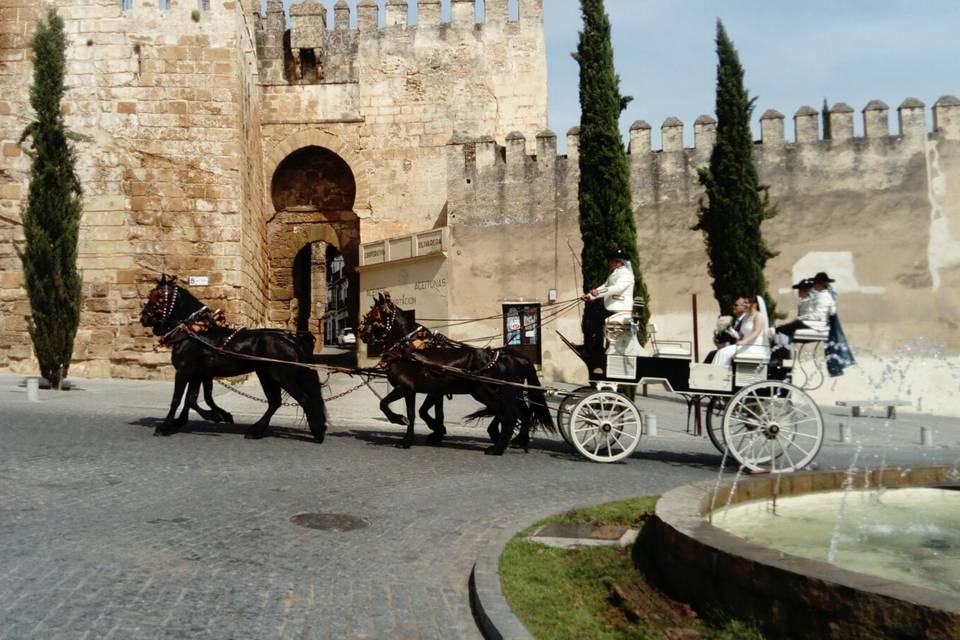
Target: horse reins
[(165, 338)]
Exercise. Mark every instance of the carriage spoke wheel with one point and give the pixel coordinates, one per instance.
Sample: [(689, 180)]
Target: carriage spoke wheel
[(715, 409), (566, 409), (605, 427), (773, 426)]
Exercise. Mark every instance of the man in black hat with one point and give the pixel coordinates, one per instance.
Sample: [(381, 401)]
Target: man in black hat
[(812, 310), (616, 293)]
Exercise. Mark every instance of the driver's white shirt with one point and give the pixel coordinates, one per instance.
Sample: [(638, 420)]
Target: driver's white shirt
[(817, 309), (617, 291)]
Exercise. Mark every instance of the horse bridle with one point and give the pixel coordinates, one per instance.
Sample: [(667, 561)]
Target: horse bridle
[(388, 326), (169, 300)]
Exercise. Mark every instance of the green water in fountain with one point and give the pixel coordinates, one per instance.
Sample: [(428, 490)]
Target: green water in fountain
[(909, 535)]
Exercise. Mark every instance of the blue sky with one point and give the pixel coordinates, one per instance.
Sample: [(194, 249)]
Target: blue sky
[(794, 53)]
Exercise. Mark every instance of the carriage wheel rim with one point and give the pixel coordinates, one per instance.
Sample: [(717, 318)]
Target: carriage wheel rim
[(605, 427), (566, 408), (714, 419), (773, 426)]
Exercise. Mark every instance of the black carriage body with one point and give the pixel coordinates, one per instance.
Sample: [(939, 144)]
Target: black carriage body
[(675, 373)]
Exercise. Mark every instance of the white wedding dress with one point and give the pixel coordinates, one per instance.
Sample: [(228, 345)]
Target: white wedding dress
[(725, 355)]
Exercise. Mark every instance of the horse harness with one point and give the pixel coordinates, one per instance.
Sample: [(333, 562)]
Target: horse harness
[(421, 339)]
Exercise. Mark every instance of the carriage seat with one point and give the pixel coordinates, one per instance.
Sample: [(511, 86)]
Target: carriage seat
[(667, 348), (750, 365), (810, 335), (753, 354), (671, 349)]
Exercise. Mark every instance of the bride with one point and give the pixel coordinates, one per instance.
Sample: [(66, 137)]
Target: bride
[(753, 330)]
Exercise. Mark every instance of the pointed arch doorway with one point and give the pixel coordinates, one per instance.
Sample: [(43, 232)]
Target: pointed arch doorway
[(313, 191)]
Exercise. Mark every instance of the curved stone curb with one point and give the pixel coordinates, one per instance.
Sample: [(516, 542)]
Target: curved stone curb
[(490, 609)]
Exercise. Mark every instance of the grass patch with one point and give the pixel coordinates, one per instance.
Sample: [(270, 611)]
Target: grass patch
[(597, 592)]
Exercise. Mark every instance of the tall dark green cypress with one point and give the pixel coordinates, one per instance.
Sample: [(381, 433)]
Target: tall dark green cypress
[(736, 203), (825, 117), (606, 213), (51, 214)]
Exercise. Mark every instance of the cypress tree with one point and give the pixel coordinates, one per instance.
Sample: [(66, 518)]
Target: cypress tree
[(825, 116), (51, 214), (736, 204), (606, 213)]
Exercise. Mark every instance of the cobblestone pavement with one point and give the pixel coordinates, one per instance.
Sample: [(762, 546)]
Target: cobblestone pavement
[(109, 532)]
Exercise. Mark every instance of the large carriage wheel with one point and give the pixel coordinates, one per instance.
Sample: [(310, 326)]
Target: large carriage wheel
[(605, 427), (773, 426), (715, 410), (566, 408)]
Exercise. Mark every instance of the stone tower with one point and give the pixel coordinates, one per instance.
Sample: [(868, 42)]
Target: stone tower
[(222, 138)]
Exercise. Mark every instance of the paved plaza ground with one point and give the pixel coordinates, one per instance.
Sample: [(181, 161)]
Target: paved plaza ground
[(109, 532)]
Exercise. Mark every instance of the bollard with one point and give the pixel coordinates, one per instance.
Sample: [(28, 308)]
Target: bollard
[(33, 389), (649, 424), (845, 433), (926, 436)]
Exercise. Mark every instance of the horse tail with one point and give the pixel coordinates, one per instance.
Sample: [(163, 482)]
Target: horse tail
[(538, 401), (479, 415)]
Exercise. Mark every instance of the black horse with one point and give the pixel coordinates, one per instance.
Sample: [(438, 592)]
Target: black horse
[(203, 349), (418, 361)]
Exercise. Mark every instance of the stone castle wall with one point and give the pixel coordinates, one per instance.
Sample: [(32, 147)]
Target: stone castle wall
[(163, 102), (190, 119), (879, 212), (386, 97)]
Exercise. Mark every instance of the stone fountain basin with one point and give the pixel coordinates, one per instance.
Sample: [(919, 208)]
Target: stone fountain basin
[(788, 596)]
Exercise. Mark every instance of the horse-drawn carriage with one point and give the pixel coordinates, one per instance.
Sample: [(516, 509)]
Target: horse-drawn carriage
[(755, 413)]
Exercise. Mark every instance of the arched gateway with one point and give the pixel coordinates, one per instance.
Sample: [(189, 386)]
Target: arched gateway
[(313, 195)]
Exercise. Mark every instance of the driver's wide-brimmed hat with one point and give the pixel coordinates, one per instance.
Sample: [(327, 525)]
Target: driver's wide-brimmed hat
[(806, 283), (822, 277), (618, 254)]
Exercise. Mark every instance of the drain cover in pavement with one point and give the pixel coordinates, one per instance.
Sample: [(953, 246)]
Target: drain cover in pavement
[(329, 521)]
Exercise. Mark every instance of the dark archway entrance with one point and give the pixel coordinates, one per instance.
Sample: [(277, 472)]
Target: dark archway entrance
[(313, 192)]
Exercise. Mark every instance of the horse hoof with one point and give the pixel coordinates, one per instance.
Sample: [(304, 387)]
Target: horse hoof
[(435, 438), (403, 445), (493, 451), (228, 418)]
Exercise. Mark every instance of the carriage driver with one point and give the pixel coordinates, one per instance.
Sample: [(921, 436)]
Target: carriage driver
[(617, 295)]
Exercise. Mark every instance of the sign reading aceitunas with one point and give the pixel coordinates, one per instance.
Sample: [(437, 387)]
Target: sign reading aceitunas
[(413, 269)]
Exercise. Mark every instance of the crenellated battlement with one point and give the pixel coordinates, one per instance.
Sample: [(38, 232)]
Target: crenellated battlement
[(396, 13), (519, 156), (314, 48), (484, 176), (875, 118), (177, 11)]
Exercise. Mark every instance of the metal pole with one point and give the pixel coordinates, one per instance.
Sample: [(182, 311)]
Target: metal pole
[(697, 418), (696, 333)]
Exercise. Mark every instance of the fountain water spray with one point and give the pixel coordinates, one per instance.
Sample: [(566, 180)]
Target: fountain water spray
[(847, 487)]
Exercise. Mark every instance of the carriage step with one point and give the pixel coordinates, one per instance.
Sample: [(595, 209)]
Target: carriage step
[(856, 406), (563, 536)]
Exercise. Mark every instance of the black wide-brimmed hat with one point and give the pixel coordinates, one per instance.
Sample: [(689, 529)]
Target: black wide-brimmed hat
[(806, 283), (618, 254), (822, 277)]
